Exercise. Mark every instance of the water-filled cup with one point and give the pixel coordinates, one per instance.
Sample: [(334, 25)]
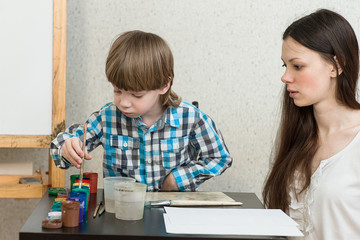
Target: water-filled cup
[(109, 191), (129, 200)]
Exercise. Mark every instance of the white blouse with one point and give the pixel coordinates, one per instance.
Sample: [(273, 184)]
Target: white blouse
[(330, 206)]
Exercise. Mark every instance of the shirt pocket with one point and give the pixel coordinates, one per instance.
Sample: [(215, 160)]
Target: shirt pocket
[(125, 152), (174, 152)]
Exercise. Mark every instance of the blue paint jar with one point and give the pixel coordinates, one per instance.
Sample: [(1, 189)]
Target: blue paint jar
[(82, 195), (82, 207)]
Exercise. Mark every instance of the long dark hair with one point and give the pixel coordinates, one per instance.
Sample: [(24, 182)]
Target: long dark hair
[(329, 34)]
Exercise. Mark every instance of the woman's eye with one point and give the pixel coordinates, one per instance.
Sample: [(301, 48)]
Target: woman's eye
[(297, 67)]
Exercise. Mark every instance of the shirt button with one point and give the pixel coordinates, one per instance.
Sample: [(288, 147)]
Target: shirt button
[(148, 160), (125, 144)]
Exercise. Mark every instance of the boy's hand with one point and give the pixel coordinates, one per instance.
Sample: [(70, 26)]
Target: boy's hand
[(72, 151), (169, 184)]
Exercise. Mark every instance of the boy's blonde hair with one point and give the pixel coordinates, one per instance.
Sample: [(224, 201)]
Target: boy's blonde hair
[(139, 61)]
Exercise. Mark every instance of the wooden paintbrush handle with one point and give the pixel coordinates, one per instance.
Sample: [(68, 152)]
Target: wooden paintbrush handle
[(83, 158), (202, 203)]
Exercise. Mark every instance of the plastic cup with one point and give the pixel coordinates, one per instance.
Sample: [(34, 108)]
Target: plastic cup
[(109, 191), (129, 200)]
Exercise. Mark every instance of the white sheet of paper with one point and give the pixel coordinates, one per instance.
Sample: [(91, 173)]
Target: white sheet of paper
[(271, 222)]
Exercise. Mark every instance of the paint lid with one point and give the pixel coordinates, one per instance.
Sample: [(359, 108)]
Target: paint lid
[(52, 223)]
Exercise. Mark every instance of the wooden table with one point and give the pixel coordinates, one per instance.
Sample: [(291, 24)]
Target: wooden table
[(107, 227)]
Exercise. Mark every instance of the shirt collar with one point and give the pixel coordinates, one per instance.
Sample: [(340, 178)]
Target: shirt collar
[(171, 116)]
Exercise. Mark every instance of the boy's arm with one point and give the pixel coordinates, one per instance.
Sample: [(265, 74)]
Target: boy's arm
[(213, 160), (169, 184), (93, 139)]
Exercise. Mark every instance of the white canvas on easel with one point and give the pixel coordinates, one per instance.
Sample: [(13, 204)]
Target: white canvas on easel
[(33, 84), (26, 67)]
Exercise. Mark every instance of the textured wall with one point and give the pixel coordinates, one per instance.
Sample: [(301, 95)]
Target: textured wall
[(227, 57)]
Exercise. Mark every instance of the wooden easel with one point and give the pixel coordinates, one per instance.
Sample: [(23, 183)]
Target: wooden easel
[(9, 187)]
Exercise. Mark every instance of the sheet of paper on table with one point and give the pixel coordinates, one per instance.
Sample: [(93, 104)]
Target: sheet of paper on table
[(229, 221), (201, 196)]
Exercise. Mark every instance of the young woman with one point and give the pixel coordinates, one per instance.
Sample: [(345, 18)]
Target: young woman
[(315, 176)]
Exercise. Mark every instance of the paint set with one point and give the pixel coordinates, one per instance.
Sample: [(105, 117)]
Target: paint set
[(70, 207)]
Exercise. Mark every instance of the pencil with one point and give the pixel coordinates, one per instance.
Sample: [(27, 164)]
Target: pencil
[(102, 209), (97, 209)]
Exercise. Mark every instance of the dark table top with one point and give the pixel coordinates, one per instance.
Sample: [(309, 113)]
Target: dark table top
[(107, 227)]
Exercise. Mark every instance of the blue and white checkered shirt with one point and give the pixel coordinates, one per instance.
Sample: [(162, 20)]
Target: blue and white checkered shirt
[(183, 141)]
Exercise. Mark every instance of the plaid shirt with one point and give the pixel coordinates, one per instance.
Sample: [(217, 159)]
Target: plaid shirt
[(183, 141)]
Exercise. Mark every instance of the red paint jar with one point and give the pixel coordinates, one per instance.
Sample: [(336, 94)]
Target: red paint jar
[(93, 176)]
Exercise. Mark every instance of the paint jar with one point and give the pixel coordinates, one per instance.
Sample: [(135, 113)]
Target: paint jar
[(82, 195), (56, 207), (55, 191), (60, 199), (62, 195), (54, 215), (82, 207), (73, 178), (70, 213), (85, 185), (93, 176)]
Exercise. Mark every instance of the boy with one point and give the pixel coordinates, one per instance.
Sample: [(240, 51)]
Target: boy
[(147, 133)]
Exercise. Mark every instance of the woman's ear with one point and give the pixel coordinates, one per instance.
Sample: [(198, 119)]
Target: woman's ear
[(335, 73)]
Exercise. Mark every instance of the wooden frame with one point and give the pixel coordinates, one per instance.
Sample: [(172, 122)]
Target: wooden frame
[(56, 175)]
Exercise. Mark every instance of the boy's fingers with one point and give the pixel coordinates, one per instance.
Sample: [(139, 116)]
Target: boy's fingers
[(74, 158), (75, 151), (69, 154), (77, 146), (88, 156)]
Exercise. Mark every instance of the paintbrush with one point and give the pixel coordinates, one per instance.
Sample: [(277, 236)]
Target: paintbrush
[(183, 203), (83, 158)]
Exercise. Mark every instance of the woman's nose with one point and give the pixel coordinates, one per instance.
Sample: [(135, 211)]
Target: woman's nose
[(286, 77)]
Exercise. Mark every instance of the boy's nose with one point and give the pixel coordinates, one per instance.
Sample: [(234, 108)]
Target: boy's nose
[(125, 101)]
